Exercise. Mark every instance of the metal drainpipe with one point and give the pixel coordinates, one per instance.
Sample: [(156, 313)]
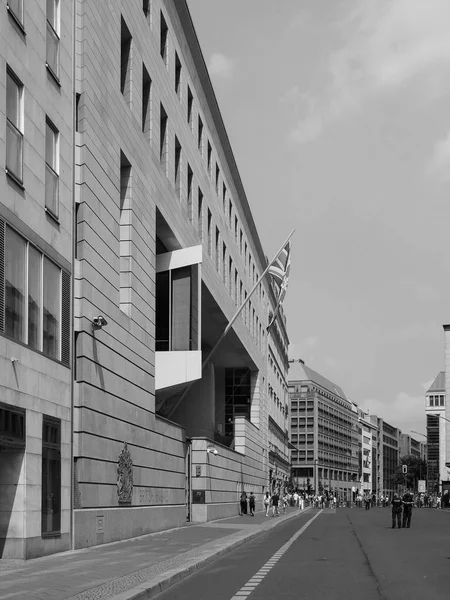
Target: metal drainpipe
[(74, 228)]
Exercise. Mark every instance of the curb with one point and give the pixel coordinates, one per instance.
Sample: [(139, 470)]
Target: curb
[(163, 582)]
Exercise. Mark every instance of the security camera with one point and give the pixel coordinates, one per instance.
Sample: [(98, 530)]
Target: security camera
[(99, 322), (212, 450)]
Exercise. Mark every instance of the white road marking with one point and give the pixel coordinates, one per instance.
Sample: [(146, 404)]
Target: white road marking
[(254, 581)]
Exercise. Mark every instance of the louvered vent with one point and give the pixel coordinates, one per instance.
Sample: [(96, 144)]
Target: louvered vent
[(2, 275), (65, 319)]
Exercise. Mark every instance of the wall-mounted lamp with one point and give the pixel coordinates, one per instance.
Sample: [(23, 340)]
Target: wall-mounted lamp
[(99, 322), (211, 450)]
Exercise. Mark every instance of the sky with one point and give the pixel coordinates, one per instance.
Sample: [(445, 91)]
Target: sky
[(338, 112)]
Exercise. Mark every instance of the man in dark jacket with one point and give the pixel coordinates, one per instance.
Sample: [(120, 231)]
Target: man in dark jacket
[(408, 501), (396, 511)]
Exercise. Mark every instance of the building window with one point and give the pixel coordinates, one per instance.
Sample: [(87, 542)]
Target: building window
[(51, 476), (230, 214), (209, 161), (35, 304), (178, 80), (190, 177), (147, 8), (146, 103), (217, 250), (200, 135), (163, 139), (125, 215), (217, 179), (178, 169), (14, 126), (12, 426), (51, 168), (15, 8), (190, 102), (125, 61), (224, 263), (209, 225), (53, 37), (224, 196), (200, 214), (237, 397), (164, 35)]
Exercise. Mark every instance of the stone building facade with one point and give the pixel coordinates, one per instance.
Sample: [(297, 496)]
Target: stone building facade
[(36, 195), (323, 434)]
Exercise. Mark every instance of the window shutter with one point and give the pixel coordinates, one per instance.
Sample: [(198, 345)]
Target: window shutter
[(2, 275), (65, 319)]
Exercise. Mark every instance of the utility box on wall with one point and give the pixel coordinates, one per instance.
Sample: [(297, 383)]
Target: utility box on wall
[(198, 496)]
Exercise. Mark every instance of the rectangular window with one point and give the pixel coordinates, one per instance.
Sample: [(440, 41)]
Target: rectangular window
[(12, 426), (236, 287), (146, 103), (190, 102), (52, 55), (178, 169), (209, 162), (77, 112), (164, 35), (230, 275), (217, 178), (200, 214), (51, 476), (14, 126), (224, 263), (236, 229), (34, 305), (51, 168), (200, 135), (15, 8), (224, 197), (230, 214), (163, 139), (125, 215), (240, 240), (190, 177), (125, 61), (209, 225), (217, 250), (178, 81), (147, 8)]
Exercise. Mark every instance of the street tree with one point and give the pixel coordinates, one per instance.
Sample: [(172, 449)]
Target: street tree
[(416, 469)]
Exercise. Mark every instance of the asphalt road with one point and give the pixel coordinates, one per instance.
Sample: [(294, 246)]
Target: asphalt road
[(343, 554)]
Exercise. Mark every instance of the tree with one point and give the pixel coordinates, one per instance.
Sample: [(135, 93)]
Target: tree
[(417, 469)]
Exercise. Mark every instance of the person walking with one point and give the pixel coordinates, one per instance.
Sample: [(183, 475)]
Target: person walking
[(408, 501), (397, 511), (251, 504), (267, 503), (243, 504), (367, 502), (275, 500)]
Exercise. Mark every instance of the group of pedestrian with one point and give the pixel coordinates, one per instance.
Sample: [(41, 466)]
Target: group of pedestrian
[(402, 505), (245, 505)]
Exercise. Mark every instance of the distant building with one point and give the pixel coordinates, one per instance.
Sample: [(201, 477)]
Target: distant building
[(411, 447), (435, 410), (367, 433), (323, 433), (387, 455)]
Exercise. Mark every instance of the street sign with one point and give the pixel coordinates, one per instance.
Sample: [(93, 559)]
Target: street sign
[(422, 486)]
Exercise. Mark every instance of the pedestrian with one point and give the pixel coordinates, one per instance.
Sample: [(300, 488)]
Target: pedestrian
[(367, 502), (251, 504), (296, 498), (396, 511), (243, 504), (408, 501), (267, 503), (285, 502), (275, 499)]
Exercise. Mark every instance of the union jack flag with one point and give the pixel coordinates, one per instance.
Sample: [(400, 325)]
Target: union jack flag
[(280, 269)]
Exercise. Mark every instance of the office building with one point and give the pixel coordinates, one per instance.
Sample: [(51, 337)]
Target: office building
[(324, 434), (36, 195), (437, 431)]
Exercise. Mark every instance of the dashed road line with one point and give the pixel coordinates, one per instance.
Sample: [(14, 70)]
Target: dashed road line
[(254, 581)]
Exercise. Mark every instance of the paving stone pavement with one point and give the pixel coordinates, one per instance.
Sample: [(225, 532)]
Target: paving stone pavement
[(130, 569)]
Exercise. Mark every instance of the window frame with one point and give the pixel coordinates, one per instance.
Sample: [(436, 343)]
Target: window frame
[(47, 447), (53, 170), (53, 29), (18, 127), (19, 20)]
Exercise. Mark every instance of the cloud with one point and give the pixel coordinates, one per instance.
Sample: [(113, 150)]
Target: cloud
[(385, 44), (440, 161), (405, 411), (220, 66)]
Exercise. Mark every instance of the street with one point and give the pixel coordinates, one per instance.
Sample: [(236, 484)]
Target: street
[(347, 553)]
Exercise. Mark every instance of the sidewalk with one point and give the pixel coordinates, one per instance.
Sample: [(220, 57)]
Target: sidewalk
[(131, 569)]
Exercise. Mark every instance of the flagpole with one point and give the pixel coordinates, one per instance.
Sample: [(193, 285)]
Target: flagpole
[(230, 324), (239, 310)]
